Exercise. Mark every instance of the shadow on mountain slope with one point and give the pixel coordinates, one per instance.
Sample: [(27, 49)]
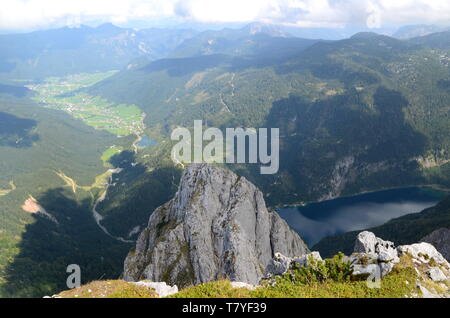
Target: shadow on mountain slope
[(135, 194), (185, 66), (17, 132), (48, 246), (343, 145), (178, 67), (71, 236)]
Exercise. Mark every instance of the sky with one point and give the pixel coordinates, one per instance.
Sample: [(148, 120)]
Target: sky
[(44, 14)]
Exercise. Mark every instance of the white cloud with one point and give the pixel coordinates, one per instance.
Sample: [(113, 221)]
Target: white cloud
[(20, 14), (23, 14)]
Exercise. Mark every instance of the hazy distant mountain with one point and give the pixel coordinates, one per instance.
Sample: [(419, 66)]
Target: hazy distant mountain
[(84, 49), (307, 32), (268, 29), (413, 31), (253, 39), (440, 40), (330, 33), (56, 52)]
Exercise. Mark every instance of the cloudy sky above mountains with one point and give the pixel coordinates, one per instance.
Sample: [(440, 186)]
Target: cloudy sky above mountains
[(35, 14)]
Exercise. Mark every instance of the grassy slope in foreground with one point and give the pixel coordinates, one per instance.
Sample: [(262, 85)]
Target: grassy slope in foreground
[(400, 283)]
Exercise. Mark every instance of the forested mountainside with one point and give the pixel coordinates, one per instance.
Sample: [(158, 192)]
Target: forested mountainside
[(44, 223), (365, 113), (54, 171), (41, 54), (404, 230)]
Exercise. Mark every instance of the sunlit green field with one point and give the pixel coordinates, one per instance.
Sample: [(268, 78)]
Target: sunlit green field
[(67, 94), (109, 153)]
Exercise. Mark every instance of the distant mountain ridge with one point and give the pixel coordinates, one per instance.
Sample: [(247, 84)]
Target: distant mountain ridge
[(413, 31), (67, 50), (70, 50), (253, 39), (439, 40)]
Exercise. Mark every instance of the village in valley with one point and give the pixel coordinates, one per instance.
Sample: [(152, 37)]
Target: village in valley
[(67, 94)]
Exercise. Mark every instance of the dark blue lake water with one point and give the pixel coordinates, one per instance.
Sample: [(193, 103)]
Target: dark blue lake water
[(318, 220)]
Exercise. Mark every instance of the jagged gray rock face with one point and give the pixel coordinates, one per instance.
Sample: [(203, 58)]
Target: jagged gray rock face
[(217, 226), (440, 239), (281, 264), (373, 255), (368, 243)]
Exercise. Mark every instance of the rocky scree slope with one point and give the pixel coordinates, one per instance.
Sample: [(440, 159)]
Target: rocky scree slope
[(374, 258), (216, 227)]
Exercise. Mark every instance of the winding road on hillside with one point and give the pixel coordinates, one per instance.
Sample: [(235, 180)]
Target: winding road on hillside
[(98, 217), (222, 101)]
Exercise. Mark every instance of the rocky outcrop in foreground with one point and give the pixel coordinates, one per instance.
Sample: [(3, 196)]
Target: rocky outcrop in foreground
[(217, 226), (441, 240), (374, 258), (377, 257), (373, 255)]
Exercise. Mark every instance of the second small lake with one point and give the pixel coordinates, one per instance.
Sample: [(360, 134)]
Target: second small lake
[(318, 220), (146, 142)]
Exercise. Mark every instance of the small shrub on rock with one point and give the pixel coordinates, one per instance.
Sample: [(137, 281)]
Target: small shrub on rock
[(334, 269)]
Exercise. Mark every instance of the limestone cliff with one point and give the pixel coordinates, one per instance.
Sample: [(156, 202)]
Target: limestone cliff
[(217, 226)]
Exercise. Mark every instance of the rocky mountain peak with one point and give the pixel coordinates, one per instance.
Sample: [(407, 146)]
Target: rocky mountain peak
[(217, 226)]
